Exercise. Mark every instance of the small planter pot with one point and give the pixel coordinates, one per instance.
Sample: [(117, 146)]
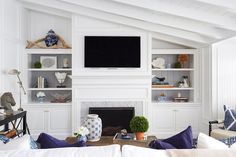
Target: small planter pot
[(94, 125), (139, 135)]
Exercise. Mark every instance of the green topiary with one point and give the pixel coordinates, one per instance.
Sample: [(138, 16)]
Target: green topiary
[(177, 65), (139, 124), (37, 64)]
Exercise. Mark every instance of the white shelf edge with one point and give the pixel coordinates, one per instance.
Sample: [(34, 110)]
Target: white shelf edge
[(49, 51), (172, 88), (32, 104), (174, 51), (60, 69), (174, 69), (191, 103), (48, 89)]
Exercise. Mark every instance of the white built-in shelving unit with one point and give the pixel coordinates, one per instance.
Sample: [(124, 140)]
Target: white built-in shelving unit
[(169, 117), (173, 75), (48, 73)]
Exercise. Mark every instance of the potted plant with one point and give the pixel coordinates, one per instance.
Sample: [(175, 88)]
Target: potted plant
[(139, 125)]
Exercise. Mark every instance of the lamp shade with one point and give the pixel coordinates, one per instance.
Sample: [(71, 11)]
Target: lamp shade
[(13, 72)]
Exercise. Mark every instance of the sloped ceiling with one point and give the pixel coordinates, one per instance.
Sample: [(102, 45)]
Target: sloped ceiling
[(194, 23)]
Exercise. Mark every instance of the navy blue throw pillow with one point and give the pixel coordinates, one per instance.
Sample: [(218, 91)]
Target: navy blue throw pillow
[(230, 119), (182, 140), (158, 144), (47, 141)]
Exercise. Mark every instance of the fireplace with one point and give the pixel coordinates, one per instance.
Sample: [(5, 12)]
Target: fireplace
[(113, 118)]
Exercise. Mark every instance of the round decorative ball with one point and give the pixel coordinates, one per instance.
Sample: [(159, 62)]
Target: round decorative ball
[(51, 38), (94, 125)]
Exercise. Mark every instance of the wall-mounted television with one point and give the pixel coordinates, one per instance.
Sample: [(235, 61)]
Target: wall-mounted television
[(112, 51)]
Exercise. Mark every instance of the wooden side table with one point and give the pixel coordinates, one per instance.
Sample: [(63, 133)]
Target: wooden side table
[(21, 115)]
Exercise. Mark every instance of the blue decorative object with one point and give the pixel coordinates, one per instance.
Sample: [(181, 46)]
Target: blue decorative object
[(182, 140), (82, 139), (230, 119), (4, 139), (51, 38)]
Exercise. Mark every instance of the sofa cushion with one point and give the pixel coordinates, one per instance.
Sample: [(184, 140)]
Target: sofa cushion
[(182, 140), (230, 119), (93, 151), (47, 141), (207, 142)]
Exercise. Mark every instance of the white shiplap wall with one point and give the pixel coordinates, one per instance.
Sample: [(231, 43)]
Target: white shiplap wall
[(224, 76), (9, 45)]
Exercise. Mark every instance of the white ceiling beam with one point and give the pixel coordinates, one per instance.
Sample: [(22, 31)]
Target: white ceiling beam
[(119, 19), (166, 7), (47, 10), (227, 4), (179, 41), (140, 14), (169, 21)]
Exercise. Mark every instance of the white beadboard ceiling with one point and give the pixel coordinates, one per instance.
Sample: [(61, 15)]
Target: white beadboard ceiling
[(195, 23)]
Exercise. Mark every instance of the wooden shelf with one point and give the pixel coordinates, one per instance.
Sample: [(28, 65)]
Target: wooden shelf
[(49, 51), (174, 69), (49, 89), (172, 88), (60, 69)]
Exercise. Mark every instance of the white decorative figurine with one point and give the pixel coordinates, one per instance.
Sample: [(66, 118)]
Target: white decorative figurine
[(61, 76), (158, 63)]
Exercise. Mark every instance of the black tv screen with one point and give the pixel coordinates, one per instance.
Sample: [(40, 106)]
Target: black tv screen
[(112, 51)]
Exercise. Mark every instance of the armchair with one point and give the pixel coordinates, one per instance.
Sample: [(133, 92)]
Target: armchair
[(217, 130)]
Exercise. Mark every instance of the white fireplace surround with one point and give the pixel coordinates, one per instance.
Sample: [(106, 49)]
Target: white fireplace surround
[(109, 91)]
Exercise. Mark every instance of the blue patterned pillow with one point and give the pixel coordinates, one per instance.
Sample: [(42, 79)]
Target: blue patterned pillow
[(230, 119)]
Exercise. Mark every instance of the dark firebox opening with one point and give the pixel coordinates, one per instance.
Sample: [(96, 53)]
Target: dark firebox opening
[(113, 118)]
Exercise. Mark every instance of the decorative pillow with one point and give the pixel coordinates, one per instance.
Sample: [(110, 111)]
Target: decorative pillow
[(21, 143), (47, 141), (158, 144), (182, 140), (207, 142), (230, 119)]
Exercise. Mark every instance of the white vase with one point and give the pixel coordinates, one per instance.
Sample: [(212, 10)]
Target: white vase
[(94, 125)]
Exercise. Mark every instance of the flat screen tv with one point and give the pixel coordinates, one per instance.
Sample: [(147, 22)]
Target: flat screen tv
[(112, 51)]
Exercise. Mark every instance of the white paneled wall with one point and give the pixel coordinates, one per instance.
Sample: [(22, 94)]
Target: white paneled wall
[(9, 45), (224, 76)]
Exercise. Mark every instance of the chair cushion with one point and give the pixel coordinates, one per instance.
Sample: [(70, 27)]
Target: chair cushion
[(182, 140), (230, 119), (47, 141), (220, 134)]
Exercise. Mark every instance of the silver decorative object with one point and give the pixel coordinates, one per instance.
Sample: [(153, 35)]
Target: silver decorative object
[(61, 76), (17, 73)]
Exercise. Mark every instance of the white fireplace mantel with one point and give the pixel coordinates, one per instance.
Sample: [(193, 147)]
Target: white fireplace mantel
[(109, 90)]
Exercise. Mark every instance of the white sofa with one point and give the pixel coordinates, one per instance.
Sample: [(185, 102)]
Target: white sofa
[(115, 151)]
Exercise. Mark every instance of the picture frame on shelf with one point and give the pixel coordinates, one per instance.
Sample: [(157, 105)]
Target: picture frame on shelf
[(48, 62)]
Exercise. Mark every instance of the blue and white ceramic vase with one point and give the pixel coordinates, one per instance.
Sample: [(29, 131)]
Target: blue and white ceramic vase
[(51, 38), (94, 125)]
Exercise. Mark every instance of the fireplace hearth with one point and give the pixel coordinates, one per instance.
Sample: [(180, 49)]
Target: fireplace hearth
[(114, 119)]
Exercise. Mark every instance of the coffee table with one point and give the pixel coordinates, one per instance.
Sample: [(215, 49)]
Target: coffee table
[(108, 140)]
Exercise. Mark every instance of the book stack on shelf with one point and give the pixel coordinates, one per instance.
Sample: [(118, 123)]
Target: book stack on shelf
[(41, 82)]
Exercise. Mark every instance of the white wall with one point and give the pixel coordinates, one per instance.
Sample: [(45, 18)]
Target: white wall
[(223, 76), (10, 45)]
